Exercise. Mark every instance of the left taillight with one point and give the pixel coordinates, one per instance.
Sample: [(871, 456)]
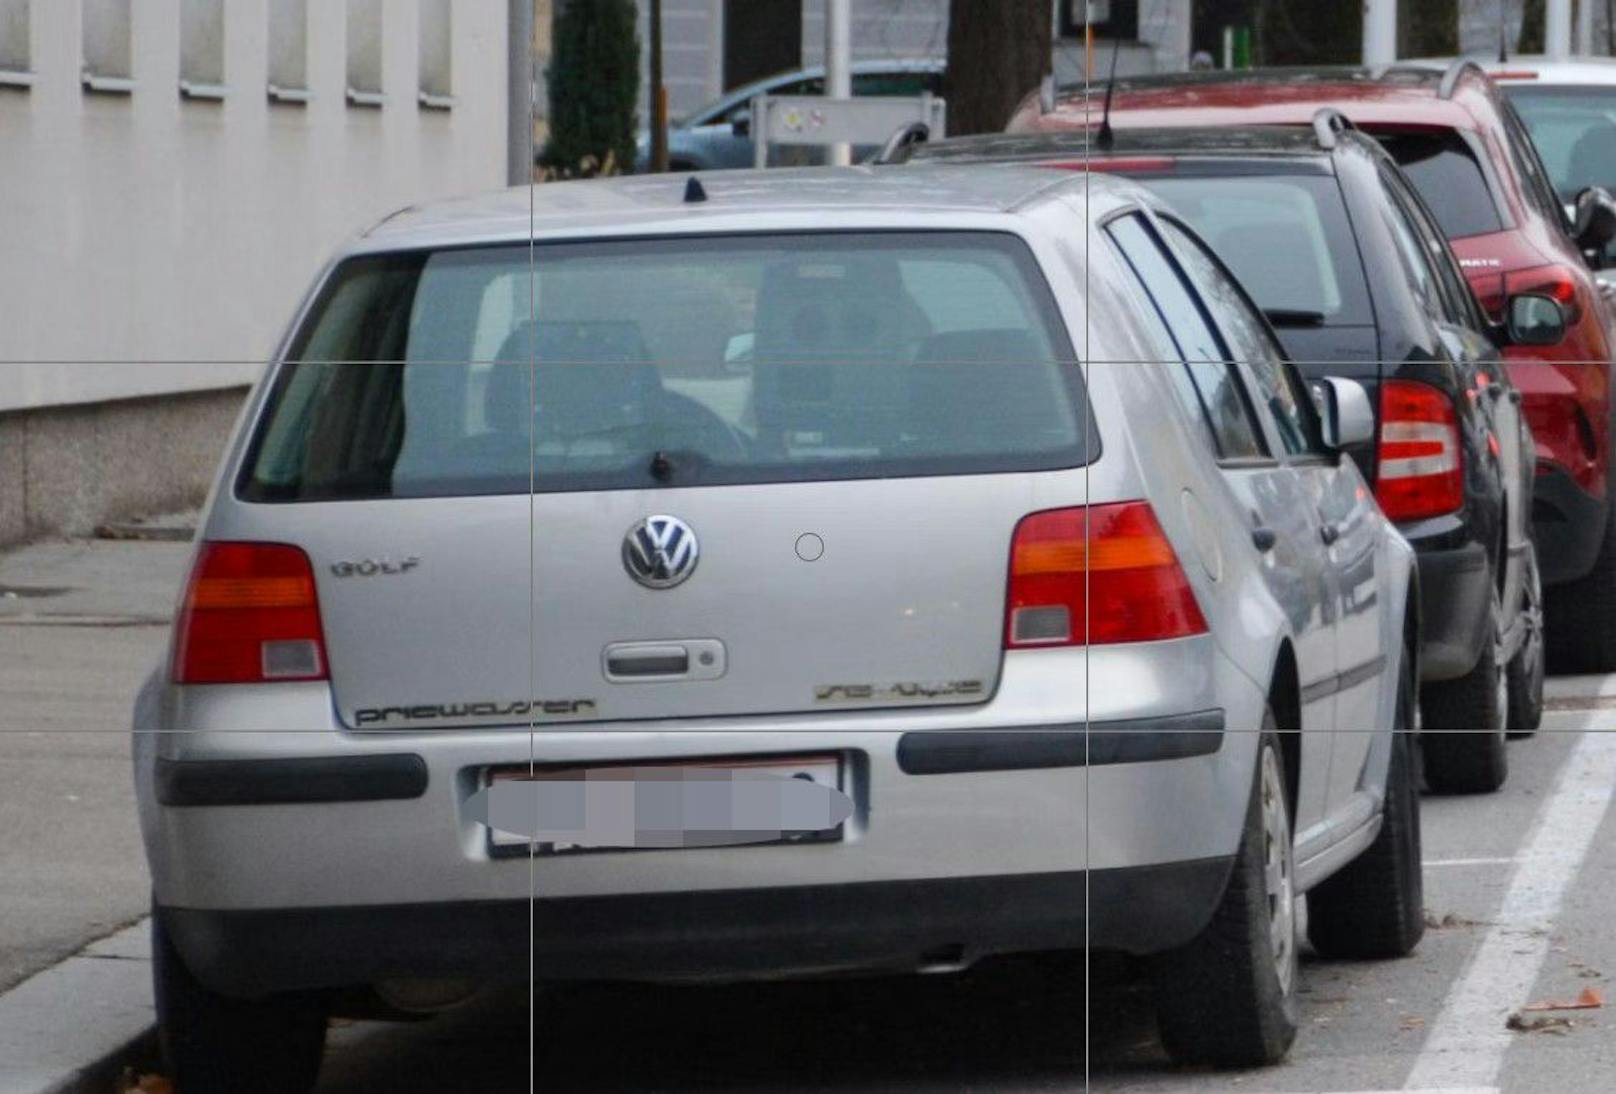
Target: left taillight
[(251, 615), (1100, 574), (1421, 463)]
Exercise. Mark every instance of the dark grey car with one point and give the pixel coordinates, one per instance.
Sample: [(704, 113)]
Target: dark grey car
[(720, 134)]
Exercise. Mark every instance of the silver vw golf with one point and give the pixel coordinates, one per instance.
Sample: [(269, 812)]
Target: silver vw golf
[(785, 574)]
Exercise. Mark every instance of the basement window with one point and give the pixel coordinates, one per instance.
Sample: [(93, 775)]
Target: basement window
[(365, 53), (436, 55), (16, 65), (107, 39), (289, 51), (202, 49)]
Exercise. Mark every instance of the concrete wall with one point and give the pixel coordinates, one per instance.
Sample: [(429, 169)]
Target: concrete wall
[(169, 238), (66, 469)]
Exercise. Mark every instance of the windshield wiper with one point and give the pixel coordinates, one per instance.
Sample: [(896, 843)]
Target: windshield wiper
[(1294, 317)]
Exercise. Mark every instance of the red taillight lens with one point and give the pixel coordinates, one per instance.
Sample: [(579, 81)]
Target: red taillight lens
[(1421, 464), (250, 615), (1101, 574), (1555, 281)]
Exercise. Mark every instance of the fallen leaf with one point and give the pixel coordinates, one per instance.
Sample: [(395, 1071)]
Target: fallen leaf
[(131, 1083), (1519, 1023), (1588, 999)]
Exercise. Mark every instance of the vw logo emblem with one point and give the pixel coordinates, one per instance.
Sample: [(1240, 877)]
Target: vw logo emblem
[(660, 552)]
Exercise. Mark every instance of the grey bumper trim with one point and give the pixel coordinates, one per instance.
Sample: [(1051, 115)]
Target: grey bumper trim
[(297, 780), (1019, 748)]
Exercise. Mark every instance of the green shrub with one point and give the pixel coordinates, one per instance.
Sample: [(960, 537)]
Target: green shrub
[(594, 86)]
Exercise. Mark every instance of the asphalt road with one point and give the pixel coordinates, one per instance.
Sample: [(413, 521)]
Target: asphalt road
[(1520, 909), (1519, 887)]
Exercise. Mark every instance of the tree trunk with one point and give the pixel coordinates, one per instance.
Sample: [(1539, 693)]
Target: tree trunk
[(1310, 32), (997, 53), (1532, 16), (1428, 28)]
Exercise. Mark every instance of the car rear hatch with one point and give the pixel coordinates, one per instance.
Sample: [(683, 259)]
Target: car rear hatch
[(700, 477)]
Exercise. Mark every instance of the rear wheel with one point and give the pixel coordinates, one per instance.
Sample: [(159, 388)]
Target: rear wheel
[(217, 1044), (1228, 998), (1375, 906), (1527, 667), (1581, 615), (1465, 722)]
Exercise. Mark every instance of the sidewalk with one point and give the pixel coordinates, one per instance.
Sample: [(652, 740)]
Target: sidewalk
[(81, 624)]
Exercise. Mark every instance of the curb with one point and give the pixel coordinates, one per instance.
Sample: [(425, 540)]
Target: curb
[(71, 1028)]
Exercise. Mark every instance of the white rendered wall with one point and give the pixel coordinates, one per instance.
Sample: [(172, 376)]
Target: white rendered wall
[(151, 243)]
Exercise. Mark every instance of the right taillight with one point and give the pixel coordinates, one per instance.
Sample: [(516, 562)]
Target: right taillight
[(250, 616), (1421, 467), (1097, 574)]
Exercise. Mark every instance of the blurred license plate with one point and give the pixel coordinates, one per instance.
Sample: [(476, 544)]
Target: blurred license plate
[(607, 780)]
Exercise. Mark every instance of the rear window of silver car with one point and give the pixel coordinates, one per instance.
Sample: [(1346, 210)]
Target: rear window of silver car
[(690, 361)]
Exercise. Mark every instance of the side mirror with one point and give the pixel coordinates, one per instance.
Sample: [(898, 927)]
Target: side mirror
[(1345, 412), (741, 123), (1593, 222), (1535, 320)]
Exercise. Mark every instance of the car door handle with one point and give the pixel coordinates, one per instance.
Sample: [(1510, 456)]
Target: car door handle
[(1329, 533), (1264, 539)]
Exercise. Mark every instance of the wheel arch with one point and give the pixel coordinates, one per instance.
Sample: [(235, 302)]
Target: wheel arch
[(1285, 700)]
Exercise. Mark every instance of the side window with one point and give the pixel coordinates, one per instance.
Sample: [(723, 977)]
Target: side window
[(1458, 305), (1415, 260), (1213, 384), (1277, 386), (1539, 190), (890, 83)]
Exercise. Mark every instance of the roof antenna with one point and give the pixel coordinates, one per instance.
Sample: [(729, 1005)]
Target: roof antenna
[(1503, 32), (694, 191), (1105, 138)]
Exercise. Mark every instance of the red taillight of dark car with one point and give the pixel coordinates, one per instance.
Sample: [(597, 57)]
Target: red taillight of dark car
[(1421, 464)]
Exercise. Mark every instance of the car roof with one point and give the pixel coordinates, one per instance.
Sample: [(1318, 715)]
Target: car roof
[(1540, 69), (805, 199), (1288, 141), (1383, 95)]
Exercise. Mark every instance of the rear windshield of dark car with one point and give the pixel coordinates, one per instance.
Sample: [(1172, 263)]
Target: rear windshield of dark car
[(1444, 169), (1286, 237), (633, 364)]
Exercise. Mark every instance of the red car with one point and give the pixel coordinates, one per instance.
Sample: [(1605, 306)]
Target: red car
[(1469, 155)]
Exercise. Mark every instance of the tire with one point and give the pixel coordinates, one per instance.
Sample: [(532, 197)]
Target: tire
[(214, 1044), (1581, 615), (1465, 722), (1374, 907), (1228, 998), (1527, 668)]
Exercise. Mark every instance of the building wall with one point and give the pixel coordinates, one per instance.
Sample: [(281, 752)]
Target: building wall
[(1478, 25), (153, 243)]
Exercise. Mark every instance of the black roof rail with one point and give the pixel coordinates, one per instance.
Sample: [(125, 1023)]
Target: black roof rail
[(1455, 72), (896, 148), (1328, 124)]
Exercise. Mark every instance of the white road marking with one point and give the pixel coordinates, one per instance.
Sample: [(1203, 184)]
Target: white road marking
[(1468, 1041), (1509, 861)]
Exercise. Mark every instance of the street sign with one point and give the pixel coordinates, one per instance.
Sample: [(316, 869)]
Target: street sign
[(816, 120)]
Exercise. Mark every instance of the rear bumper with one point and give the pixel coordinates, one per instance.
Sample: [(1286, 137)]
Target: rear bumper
[(1454, 599), (1570, 524), (726, 934)]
